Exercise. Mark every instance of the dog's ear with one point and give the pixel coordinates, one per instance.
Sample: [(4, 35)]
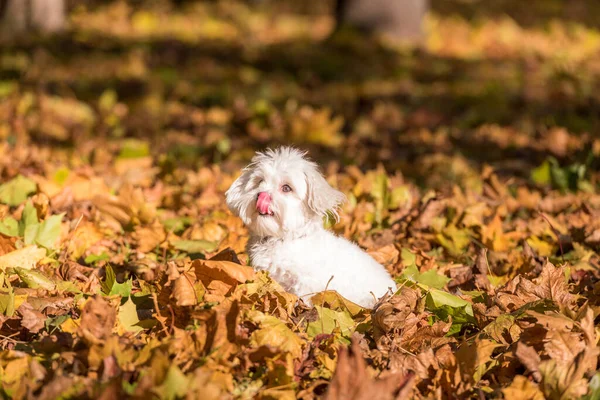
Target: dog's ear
[(235, 196), (321, 197)]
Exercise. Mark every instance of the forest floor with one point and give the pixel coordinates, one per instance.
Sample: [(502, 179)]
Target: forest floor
[(471, 164)]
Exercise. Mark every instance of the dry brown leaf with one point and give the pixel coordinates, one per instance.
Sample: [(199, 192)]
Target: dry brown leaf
[(227, 272), (387, 255), (522, 388), (472, 357), (352, 380), (218, 328), (31, 319), (98, 318), (183, 291), (563, 346), (530, 359), (7, 244), (149, 237)]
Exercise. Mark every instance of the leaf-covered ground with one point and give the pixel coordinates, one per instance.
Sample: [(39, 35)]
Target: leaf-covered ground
[(470, 163)]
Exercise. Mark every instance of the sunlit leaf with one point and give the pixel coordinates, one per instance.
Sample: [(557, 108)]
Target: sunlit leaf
[(9, 227), (454, 240), (94, 258), (110, 286), (329, 320), (195, 246), (17, 190), (175, 384), (25, 258), (35, 279), (274, 332), (48, 232), (128, 317), (445, 306), (7, 303), (133, 148)]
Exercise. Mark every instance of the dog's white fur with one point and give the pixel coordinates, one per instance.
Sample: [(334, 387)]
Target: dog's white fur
[(292, 244)]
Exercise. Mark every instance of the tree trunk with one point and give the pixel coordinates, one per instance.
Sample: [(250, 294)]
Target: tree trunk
[(18, 17), (401, 19)]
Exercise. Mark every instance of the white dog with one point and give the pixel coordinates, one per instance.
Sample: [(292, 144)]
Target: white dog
[(282, 198)]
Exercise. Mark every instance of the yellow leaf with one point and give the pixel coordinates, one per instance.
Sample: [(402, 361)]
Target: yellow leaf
[(522, 388), (70, 326), (542, 248), (274, 332), (335, 301), (26, 258)]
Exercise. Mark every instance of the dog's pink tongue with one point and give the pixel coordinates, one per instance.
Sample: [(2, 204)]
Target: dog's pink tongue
[(263, 203)]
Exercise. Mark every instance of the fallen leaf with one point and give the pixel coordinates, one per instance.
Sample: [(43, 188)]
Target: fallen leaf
[(25, 258), (98, 318), (31, 319), (522, 388), (274, 332), (353, 381), (17, 190), (329, 320)]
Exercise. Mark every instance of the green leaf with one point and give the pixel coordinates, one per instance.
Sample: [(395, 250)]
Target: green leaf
[(61, 175), (560, 176), (6, 88), (67, 286), (594, 392), (49, 231), (108, 99), (16, 191), (110, 286), (438, 298), (432, 279), (94, 258), (195, 246), (30, 233), (177, 224), (55, 322), (7, 303), (329, 320), (175, 384), (399, 197), (408, 257), (454, 240), (380, 194), (541, 175), (134, 148), (444, 305), (29, 217), (45, 234), (128, 316), (9, 227), (109, 280), (35, 279), (411, 273), (122, 289)]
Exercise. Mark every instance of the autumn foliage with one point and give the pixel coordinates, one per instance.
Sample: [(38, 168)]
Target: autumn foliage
[(470, 167)]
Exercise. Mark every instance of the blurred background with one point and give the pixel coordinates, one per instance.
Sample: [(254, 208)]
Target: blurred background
[(436, 89)]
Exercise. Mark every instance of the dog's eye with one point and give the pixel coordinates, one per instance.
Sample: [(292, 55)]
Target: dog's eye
[(286, 188)]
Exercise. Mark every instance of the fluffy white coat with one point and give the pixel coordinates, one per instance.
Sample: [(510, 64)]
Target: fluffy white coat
[(282, 198)]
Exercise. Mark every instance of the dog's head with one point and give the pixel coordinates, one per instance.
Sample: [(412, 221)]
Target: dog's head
[(280, 193)]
